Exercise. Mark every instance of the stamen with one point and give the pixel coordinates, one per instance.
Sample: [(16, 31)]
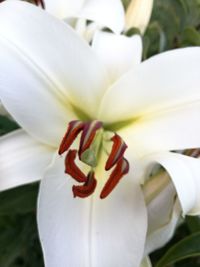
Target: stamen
[(119, 171), (88, 153), (40, 2), (195, 153), (117, 151), (74, 128), (88, 135), (87, 189), (72, 169)]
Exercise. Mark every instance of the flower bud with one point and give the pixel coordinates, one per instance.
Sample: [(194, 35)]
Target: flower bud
[(138, 14)]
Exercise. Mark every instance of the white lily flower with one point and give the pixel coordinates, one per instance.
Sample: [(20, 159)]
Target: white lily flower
[(50, 77), (138, 14)]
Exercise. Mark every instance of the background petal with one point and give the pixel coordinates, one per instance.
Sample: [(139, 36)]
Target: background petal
[(22, 159), (184, 172), (119, 53), (105, 13), (164, 211), (45, 70), (90, 232), (160, 236)]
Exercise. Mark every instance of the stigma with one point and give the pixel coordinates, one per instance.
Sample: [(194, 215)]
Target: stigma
[(90, 143)]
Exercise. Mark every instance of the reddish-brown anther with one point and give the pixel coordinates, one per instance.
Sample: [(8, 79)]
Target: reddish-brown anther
[(117, 151), (87, 189), (195, 153), (72, 169), (40, 3), (88, 135), (121, 168), (74, 128)]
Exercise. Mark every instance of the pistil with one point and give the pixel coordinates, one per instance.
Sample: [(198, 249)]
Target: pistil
[(88, 152)]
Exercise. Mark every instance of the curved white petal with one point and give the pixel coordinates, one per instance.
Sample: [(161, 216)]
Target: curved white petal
[(160, 206), (80, 27), (105, 13), (119, 53), (184, 172), (171, 129), (160, 236), (161, 82), (90, 232), (45, 69), (163, 210), (64, 8), (22, 159), (85, 30)]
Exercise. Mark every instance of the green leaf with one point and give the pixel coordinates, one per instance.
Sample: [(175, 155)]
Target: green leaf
[(7, 125), (186, 248), (125, 3), (19, 244), (191, 36), (193, 223), (19, 200), (10, 248), (132, 31)]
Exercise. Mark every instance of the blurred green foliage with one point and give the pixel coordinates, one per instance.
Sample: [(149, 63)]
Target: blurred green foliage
[(19, 245), (186, 248), (174, 24)]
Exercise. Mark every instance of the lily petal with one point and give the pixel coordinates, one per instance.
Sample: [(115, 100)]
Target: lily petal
[(161, 82), (49, 68), (86, 30), (22, 159), (160, 236), (64, 8), (160, 207), (163, 208), (184, 172), (172, 129), (105, 13), (90, 232), (119, 53)]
